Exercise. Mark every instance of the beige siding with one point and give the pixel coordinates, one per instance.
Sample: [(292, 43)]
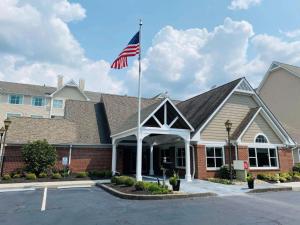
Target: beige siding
[(259, 125), (281, 93), (26, 109), (235, 110), (64, 94), (70, 93)]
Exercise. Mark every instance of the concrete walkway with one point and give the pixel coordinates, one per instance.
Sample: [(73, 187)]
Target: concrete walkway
[(202, 186), (295, 185), (54, 184)]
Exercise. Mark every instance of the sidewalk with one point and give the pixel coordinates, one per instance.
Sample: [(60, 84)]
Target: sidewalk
[(295, 185), (52, 184), (202, 186)]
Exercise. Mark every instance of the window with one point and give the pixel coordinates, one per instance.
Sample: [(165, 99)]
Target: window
[(38, 101), (9, 115), (180, 157), (263, 157), (261, 139), (16, 99), (165, 153), (214, 157), (36, 116), (57, 103)]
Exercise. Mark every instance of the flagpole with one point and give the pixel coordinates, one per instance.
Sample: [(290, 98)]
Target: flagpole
[(139, 102)]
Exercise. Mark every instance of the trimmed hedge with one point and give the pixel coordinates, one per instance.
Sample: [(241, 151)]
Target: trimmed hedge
[(30, 176)]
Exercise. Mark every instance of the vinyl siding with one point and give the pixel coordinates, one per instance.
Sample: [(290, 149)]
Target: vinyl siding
[(235, 109), (281, 93), (259, 125)]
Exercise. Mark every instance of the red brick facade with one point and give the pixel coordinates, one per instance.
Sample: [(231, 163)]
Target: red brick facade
[(82, 159), (285, 159)]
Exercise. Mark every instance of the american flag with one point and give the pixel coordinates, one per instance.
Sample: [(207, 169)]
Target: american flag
[(132, 49)]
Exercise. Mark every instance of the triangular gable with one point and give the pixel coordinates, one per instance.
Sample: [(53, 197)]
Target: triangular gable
[(71, 83), (275, 66), (166, 115), (261, 123), (275, 123)]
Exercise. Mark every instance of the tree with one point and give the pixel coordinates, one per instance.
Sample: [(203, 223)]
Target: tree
[(39, 156)]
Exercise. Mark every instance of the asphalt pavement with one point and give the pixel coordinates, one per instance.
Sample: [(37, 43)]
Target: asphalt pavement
[(78, 206)]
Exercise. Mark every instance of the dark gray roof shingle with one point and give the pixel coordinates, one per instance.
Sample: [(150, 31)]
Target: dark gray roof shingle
[(119, 109), (38, 90), (199, 108)]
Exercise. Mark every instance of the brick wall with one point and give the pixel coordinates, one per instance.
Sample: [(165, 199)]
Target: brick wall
[(83, 159), (285, 159)]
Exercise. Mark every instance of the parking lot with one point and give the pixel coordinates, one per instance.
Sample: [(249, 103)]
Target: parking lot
[(94, 206)]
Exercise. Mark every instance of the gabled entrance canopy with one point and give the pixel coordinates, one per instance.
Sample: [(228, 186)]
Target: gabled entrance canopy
[(160, 118)]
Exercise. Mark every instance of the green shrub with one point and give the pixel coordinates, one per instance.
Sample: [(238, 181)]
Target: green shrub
[(296, 177), (43, 175), (113, 179), (6, 177), (65, 174), (296, 167), (56, 176), (218, 180), (282, 179), (108, 174), (129, 181), (16, 176), (287, 176), (39, 156), (139, 186), (30, 176), (121, 180), (81, 174), (224, 172), (173, 180)]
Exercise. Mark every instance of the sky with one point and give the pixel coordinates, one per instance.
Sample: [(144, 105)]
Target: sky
[(187, 46)]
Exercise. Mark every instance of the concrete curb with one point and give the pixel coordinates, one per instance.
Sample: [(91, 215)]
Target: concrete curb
[(53, 184), (261, 190), (151, 197)]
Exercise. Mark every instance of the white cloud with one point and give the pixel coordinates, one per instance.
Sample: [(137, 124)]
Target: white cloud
[(195, 59), (36, 45), (243, 4), (291, 34)]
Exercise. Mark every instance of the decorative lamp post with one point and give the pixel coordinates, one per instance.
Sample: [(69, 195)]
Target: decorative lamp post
[(228, 126), (3, 133)]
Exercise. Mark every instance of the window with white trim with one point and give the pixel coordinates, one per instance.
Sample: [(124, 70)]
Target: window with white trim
[(15, 99), (261, 139), (214, 157), (180, 157), (38, 101), (58, 104), (263, 157)]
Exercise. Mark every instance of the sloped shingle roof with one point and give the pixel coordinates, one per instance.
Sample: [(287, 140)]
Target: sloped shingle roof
[(119, 109), (199, 108), (38, 90)]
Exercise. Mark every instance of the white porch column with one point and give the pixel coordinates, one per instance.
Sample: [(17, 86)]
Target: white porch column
[(151, 171), (139, 159), (114, 158), (188, 176)]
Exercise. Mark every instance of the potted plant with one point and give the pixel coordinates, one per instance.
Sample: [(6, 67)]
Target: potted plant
[(175, 182), (250, 180)]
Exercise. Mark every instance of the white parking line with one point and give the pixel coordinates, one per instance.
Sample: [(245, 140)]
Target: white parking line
[(74, 186), (44, 200), (16, 189)]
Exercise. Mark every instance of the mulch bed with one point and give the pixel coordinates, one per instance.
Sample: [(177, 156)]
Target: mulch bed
[(47, 179), (128, 190)]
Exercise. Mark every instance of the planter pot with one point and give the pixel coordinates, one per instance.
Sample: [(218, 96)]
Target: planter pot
[(251, 184), (177, 186)]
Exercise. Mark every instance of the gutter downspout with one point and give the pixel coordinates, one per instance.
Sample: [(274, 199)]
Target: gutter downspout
[(70, 157), (194, 163)]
